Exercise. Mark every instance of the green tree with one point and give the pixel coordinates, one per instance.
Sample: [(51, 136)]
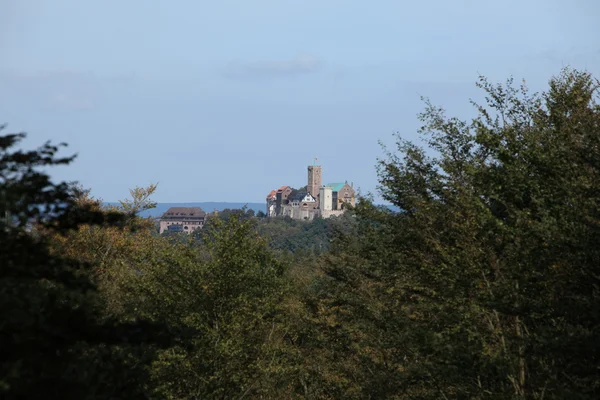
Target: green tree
[(54, 341), (220, 301), (486, 281), (114, 254)]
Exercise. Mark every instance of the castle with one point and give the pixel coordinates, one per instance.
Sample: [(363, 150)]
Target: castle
[(315, 200)]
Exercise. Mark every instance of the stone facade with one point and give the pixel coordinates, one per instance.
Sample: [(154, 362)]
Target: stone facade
[(315, 180), (326, 196), (281, 198), (342, 194), (182, 219), (301, 205)]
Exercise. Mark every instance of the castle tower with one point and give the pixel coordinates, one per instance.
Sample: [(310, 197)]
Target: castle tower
[(315, 180), (326, 196)]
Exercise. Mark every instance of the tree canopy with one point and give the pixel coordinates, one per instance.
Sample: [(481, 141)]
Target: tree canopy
[(486, 280)]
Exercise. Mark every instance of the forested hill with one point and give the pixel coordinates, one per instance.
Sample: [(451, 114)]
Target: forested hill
[(208, 206)]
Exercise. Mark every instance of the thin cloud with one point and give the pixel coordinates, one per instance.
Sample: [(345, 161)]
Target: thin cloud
[(273, 68)]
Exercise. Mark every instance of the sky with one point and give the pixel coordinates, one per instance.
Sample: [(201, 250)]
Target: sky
[(226, 100)]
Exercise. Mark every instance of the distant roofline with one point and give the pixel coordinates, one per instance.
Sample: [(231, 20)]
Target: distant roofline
[(337, 186), (184, 212)]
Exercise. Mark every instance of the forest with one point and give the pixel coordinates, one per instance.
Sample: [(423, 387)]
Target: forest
[(481, 282)]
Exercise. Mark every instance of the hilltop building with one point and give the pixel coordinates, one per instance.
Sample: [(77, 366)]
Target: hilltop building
[(313, 201), (182, 219)]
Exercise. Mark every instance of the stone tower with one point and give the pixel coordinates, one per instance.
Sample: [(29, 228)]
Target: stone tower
[(326, 196), (315, 180)]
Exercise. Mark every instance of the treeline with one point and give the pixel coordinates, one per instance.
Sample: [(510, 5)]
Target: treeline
[(484, 285), (287, 235)]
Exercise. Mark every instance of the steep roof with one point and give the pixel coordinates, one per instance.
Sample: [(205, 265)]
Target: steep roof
[(271, 194), (298, 196), (309, 198), (336, 187), (184, 212), (281, 189)]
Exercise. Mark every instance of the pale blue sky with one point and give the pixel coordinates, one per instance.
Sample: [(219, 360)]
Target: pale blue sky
[(225, 100)]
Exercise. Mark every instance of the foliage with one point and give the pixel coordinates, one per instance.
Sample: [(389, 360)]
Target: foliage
[(114, 253), (242, 213), (54, 342), (220, 302), (486, 282), (216, 296), (314, 237)]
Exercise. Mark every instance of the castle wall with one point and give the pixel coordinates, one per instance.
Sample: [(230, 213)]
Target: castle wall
[(331, 213), (300, 212)]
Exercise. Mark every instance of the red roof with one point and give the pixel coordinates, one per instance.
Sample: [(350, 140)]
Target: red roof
[(271, 194), (281, 189)]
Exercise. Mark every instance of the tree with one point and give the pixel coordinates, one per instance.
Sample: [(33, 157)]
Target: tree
[(220, 303), (487, 278), (53, 339), (114, 254)]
